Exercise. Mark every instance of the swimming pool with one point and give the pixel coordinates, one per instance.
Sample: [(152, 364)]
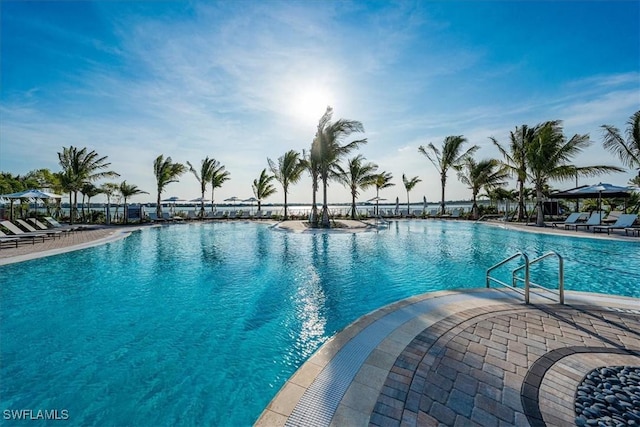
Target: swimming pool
[(203, 323)]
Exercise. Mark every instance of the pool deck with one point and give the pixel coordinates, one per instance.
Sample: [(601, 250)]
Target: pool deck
[(451, 358), (478, 357)]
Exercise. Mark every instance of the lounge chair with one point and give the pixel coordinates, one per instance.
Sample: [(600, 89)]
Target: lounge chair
[(632, 230), (17, 232), (28, 228), (456, 213), (594, 219), (42, 227), (57, 226), (611, 218), (5, 240), (571, 219), (623, 222)]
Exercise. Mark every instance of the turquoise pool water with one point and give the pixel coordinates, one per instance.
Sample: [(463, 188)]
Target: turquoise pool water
[(201, 324)]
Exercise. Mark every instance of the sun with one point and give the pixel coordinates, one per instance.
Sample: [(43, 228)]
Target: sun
[(309, 103)]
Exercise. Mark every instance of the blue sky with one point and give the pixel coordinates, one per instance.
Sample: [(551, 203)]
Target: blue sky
[(244, 81)]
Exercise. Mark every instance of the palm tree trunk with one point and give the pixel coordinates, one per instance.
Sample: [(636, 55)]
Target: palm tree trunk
[(521, 209), (408, 203), (353, 205), (202, 205), (212, 190), (540, 216), (70, 207), (75, 204), (158, 206), (107, 220), (83, 215), (474, 207), (443, 183), (325, 207), (314, 205), (285, 203), (126, 211)]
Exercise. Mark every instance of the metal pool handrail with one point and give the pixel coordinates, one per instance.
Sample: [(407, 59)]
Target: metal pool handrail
[(526, 274), (559, 291)]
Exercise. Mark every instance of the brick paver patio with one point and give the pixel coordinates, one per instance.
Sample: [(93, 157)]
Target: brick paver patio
[(484, 367), (474, 358)]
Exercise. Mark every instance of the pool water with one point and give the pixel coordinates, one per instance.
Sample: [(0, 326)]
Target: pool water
[(201, 324)]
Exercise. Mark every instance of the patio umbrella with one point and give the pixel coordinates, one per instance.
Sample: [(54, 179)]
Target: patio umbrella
[(251, 200), (172, 203), (232, 199), (376, 199), (599, 191), (424, 203), (398, 206), (201, 201), (28, 194)]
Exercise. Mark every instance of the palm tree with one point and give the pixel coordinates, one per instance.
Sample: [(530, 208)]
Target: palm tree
[(218, 177), (288, 171), (109, 189), (450, 157), (328, 151), (515, 160), (166, 172), (485, 174), (408, 185), (628, 151), (383, 180), (204, 176), (548, 158), (359, 175), (81, 166), (129, 190), (262, 187)]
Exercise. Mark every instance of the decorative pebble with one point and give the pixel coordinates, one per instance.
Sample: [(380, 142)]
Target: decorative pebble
[(609, 396)]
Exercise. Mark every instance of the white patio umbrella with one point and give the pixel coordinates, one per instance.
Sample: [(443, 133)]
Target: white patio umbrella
[(232, 199), (28, 194), (376, 199), (251, 200), (172, 203)]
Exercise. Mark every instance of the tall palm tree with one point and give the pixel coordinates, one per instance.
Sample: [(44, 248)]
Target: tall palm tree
[(408, 185), (287, 171), (485, 174), (203, 176), (548, 158), (329, 151), (262, 187), (515, 160), (218, 177), (451, 156), (628, 151), (109, 189), (383, 180), (165, 172), (129, 190), (358, 175), (81, 166)]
